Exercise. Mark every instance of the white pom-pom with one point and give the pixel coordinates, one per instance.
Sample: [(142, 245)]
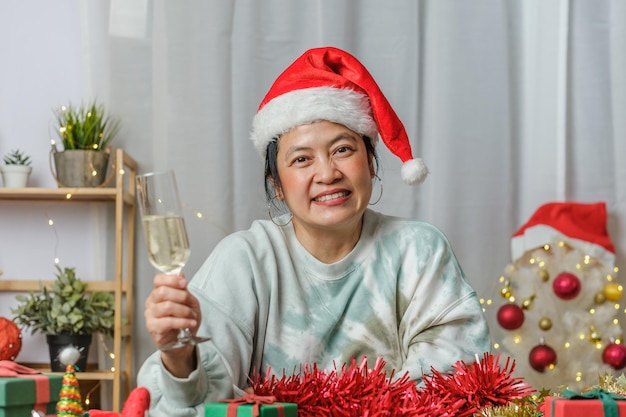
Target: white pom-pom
[(414, 171), (69, 355)]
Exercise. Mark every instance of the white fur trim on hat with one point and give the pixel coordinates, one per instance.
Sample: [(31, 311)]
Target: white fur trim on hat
[(298, 107), (414, 171)]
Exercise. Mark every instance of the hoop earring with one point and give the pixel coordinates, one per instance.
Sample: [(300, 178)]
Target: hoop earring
[(377, 179), (279, 216)]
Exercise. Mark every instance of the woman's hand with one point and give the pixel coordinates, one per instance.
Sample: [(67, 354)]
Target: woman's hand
[(169, 308)]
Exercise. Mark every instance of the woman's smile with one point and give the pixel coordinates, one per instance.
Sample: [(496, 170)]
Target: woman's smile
[(335, 197)]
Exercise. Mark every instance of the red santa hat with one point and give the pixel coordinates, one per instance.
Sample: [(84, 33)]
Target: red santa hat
[(330, 84), (581, 224)]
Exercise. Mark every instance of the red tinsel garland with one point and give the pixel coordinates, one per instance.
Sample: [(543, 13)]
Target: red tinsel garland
[(356, 391)]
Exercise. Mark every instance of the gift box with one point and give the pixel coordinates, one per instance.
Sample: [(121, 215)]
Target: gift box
[(579, 407), (250, 406), (20, 395)]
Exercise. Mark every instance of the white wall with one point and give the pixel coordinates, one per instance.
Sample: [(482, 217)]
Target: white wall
[(41, 67)]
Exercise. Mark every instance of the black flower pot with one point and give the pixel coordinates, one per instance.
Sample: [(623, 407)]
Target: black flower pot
[(56, 344)]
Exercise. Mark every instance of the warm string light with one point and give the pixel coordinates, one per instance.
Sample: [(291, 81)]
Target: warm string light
[(200, 216), (56, 239), (105, 348), (87, 400)]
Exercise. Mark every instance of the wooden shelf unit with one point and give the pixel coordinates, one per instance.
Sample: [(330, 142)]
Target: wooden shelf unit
[(122, 194)]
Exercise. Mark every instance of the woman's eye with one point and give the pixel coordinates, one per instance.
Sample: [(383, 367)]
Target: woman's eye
[(343, 149)]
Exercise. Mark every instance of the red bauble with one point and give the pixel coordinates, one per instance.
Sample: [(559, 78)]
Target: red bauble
[(566, 286), (541, 357), (11, 341), (615, 355), (510, 316)]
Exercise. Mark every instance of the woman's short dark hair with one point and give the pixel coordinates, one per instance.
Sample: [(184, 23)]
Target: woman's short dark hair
[(272, 179)]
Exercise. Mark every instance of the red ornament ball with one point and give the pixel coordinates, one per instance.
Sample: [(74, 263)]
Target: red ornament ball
[(510, 316), (542, 357), (11, 340), (615, 355), (566, 286)]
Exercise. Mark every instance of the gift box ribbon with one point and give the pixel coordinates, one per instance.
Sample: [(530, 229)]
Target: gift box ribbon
[(42, 383), (609, 400), (256, 400)]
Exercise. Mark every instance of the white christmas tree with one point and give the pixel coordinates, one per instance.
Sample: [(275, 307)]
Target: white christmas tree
[(557, 311)]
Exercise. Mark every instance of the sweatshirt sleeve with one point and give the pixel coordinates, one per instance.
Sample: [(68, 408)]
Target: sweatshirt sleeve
[(443, 322), (185, 397), (220, 285)]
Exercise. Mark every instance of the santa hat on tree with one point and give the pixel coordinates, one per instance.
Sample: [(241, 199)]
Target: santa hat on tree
[(583, 225), (330, 84)]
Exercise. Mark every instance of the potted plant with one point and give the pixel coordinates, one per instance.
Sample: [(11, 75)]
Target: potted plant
[(86, 132), (68, 314), (16, 169)]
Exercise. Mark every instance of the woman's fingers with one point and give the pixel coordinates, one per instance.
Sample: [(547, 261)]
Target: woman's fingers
[(170, 307)]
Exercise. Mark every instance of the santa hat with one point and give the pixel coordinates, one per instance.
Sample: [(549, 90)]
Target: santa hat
[(581, 224), (330, 84)]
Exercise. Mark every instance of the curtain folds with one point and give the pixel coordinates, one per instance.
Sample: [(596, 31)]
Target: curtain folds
[(511, 105)]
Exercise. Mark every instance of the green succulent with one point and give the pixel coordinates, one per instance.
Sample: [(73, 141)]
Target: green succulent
[(66, 308), (16, 157), (87, 127)]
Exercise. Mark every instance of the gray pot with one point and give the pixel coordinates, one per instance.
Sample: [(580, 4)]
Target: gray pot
[(80, 168)]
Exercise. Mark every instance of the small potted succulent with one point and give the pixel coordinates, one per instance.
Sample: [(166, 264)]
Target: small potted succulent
[(16, 169), (86, 132), (68, 314)]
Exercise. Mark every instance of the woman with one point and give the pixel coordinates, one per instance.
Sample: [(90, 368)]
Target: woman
[(328, 281)]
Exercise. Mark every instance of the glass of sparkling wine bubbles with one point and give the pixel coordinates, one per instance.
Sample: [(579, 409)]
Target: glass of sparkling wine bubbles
[(165, 232)]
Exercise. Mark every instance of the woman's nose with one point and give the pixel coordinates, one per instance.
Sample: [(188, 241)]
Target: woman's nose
[(327, 172)]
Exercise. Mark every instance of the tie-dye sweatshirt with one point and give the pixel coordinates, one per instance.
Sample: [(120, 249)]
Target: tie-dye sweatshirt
[(267, 303)]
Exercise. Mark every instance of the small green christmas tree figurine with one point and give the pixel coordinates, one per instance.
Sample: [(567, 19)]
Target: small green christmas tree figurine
[(70, 402)]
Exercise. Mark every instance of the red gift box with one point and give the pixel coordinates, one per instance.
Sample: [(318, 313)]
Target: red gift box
[(564, 407)]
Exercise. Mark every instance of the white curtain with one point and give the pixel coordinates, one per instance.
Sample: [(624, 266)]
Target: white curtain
[(512, 104)]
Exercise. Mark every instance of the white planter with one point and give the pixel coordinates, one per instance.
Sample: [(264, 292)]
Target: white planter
[(15, 176)]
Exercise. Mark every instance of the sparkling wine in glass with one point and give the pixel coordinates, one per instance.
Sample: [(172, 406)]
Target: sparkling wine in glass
[(165, 232)]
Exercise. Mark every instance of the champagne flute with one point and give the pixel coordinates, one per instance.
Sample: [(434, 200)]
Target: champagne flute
[(165, 233)]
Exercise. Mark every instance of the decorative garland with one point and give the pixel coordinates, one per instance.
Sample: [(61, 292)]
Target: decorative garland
[(356, 391)]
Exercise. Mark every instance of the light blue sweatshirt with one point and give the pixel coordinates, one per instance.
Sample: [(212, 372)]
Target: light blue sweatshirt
[(267, 303)]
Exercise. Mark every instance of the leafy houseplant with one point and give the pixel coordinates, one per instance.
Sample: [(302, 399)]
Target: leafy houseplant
[(16, 169), (86, 132), (66, 310)]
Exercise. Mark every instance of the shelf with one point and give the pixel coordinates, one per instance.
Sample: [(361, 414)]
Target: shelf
[(89, 375), (121, 192), (16, 285), (62, 194)]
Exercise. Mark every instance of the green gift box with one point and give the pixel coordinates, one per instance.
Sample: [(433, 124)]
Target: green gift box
[(20, 395), (247, 408)]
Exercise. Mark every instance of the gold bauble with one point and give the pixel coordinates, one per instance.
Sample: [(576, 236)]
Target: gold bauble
[(594, 336), (545, 324), (544, 275), (505, 292), (527, 303), (613, 291), (599, 298)]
